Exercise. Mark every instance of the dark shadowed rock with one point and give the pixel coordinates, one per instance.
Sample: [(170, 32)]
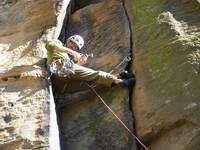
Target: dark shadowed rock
[(87, 124)]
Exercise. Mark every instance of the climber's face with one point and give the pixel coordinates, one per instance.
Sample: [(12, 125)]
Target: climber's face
[(71, 45)]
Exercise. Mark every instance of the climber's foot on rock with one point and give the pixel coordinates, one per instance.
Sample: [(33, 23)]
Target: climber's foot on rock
[(125, 75), (128, 82), (125, 82)]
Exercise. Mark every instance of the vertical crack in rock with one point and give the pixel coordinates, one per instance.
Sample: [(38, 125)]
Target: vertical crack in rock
[(128, 68)]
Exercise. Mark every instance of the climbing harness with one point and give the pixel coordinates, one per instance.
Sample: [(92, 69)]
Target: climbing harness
[(62, 67), (122, 123)]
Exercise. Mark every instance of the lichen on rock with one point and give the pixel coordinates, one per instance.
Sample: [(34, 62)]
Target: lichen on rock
[(166, 52)]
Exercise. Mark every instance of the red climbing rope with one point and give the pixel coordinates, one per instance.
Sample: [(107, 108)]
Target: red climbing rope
[(134, 136)]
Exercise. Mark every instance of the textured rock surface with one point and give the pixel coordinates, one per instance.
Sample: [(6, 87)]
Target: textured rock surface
[(24, 117), (166, 52), (88, 124)]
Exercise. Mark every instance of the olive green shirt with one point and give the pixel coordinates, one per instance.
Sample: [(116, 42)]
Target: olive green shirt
[(51, 55)]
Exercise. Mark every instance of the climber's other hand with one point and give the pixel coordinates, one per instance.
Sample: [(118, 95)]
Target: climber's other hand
[(82, 59)]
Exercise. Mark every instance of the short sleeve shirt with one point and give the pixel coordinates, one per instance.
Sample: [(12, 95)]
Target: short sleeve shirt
[(51, 55)]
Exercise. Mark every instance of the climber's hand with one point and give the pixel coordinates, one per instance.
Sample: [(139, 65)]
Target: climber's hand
[(82, 59)]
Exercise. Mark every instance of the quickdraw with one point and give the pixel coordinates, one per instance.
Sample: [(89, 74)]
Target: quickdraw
[(123, 62), (62, 67)]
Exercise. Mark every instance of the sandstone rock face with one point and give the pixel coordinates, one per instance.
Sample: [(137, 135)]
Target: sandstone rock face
[(87, 124), (24, 121), (166, 62)]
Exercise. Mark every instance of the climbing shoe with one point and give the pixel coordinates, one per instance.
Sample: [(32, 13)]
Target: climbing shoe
[(125, 75), (128, 82)]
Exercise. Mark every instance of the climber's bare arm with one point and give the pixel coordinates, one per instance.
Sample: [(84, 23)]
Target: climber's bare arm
[(67, 50), (81, 58)]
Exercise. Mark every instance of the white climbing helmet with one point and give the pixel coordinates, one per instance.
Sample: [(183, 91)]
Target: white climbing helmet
[(77, 39)]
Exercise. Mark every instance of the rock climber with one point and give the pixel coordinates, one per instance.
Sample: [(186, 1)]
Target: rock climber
[(66, 61)]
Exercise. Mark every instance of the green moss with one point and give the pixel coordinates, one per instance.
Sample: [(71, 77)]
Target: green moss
[(166, 81)]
